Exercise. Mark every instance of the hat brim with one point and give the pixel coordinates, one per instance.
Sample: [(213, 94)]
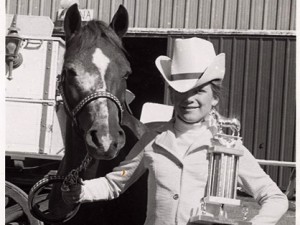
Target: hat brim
[(215, 71)]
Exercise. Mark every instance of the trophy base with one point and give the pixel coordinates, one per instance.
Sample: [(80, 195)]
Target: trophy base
[(210, 220), (221, 200)]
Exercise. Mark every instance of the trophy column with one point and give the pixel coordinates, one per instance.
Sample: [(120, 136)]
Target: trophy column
[(222, 176)]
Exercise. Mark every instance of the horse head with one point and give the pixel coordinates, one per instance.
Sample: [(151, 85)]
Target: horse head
[(93, 80)]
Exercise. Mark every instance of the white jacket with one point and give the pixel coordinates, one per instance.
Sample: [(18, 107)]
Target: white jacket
[(176, 185)]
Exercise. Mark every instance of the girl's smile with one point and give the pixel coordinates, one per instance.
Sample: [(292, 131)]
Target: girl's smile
[(190, 108), (194, 105)]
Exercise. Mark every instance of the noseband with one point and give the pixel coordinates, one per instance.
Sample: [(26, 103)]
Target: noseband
[(98, 94)]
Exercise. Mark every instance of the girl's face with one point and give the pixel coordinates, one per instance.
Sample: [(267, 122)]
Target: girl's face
[(194, 105)]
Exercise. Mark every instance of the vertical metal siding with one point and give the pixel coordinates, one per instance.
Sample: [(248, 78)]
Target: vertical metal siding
[(34, 7), (166, 14), (243, 14), (230, 14), (153, 12), (105, 14), (256, 9), (94, 5), (269, 19), (263, 70), (284, 11), (202, 14), (140, 13), (285, 107), (178, 13), (217, 13), (190, 10), (292, 16)]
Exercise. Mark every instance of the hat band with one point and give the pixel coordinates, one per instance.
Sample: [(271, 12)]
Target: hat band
[(185, 76)]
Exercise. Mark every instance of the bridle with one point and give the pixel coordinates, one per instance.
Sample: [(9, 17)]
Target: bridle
[(91, 97), (73, 177)]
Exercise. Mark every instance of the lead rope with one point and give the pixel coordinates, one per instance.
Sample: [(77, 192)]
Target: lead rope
[(67, 181), (73, 176)]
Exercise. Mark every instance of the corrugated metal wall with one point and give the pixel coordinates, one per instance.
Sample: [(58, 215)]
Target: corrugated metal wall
[(260, 90), (205, 14)]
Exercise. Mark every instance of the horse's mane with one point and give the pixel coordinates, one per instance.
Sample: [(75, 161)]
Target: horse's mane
[(87, 36)]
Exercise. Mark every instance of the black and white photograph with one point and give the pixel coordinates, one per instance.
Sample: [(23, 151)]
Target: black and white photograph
[(149, 112)]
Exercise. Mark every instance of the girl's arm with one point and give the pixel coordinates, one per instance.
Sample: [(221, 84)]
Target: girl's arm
[(265, 191), (115, 182)]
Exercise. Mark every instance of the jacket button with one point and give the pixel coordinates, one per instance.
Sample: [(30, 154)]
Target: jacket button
[(175, 197)]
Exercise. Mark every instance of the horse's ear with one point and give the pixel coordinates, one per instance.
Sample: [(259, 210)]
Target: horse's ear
[(72, 21), (120, 22)]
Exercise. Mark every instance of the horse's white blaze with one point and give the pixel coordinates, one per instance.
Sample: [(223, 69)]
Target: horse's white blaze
[(105, 139), (87, 82), (102, 61)]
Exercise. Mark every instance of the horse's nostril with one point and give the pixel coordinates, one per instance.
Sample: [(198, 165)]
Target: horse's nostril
[(93, 134)]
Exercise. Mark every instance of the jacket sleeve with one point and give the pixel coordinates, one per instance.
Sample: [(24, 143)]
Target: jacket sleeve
[(121, 178), (264, 190)]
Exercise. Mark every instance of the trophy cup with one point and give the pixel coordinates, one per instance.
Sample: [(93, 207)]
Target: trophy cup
[(222, 177)]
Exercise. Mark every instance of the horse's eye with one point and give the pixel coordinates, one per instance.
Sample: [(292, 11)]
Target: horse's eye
[(126, 76), (70, 72)]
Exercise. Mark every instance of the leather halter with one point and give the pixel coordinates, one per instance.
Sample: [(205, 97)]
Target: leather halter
[(95, 95), (73, 176)]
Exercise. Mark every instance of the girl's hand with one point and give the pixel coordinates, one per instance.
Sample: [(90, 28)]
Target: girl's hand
[(74, 195)]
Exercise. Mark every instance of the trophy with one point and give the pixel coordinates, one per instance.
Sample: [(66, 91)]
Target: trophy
[(222, 177)]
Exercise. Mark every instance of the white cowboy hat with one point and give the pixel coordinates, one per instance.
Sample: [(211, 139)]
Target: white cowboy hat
[(194, 63)]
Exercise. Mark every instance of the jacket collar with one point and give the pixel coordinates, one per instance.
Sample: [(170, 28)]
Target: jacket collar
[(166, 139), (205, 139)]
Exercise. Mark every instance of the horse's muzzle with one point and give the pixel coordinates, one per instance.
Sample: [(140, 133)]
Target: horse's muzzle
[(104, 147)]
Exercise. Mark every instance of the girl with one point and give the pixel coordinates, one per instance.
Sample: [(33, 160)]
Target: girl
[(176, 152)]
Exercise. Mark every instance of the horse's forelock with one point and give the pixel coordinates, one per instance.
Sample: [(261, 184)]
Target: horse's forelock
[(88, 36)]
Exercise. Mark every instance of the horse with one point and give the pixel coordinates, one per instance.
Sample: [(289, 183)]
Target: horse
[(99, 122)]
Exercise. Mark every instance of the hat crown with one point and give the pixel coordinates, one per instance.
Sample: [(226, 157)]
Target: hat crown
[(191, 55), (194, 63)]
